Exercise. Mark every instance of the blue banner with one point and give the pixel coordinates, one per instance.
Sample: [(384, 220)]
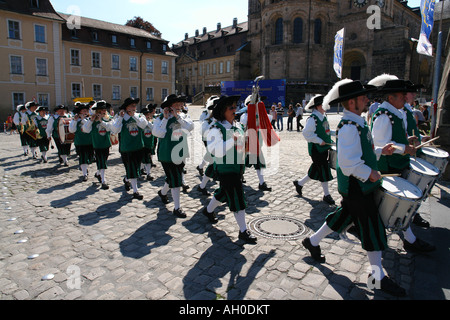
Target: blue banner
[(274, 90), (427, 14), (338, 52)]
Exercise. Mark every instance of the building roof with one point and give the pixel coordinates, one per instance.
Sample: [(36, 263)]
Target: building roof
[(45, 9), (218, 33), (113, 27)]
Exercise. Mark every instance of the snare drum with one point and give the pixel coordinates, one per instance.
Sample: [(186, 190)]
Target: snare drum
[(397, 201), (435, 156), (332, 157), (65, 136), (422, 174)]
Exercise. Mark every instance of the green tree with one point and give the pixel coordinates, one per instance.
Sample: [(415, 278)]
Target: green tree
[(138, 22)]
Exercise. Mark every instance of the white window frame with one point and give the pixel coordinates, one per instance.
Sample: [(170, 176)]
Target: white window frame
[(135, 64), (78, 58), (20, 28), (164, 67), (46, 67), (94, 59), (112, 61), (93, 90), (72, 91), (149, 68), (150, 94), (45, 32), (164, 93), (11, 65), (39, 99), (133, 95), (19, 102)]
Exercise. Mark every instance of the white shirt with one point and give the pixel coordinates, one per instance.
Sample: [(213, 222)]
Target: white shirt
[(160, 125), (87, 125), (51, 121), (217, 146), (382, 130), (350, 150), (116, 125), (309, 132)]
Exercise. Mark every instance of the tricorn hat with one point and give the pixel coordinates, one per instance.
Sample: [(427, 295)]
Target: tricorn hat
[(21, 107), (41, 108), (346, 89), (315, 102), (171, 99), (99, 105), (129, 101), (392, 86), (61, 107), (223, 102)]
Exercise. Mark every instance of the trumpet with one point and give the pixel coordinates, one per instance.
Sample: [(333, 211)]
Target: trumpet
[(33, 131)]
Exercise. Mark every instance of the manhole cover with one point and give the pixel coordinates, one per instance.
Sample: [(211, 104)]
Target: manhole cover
[(278, 227)]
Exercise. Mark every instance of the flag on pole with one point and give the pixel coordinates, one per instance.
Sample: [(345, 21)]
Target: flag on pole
[(427, 14), (338, 52)]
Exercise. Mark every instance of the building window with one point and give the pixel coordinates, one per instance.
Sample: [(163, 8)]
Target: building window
[(14, 29), (133, 64), (115, 58), (96, 59), (132, 42), (214, 70), (74, 57), (41, 67), (149, 65), (228, 66), (164, 94), (116, 92), (94, 36), (149, 94), (149, 45), (34, 3), (279, 31), (221, 67), (114, 39), (16, 65), (18, 98), (76, 90), (298, 30), (165, 67), (318, 31), (39, 33), (43, 99), (133, 92), (164, 47), (97, 91)]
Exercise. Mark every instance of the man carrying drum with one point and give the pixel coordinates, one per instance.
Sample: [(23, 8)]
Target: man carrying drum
[(358, 178), (53, 131), (389, 126)]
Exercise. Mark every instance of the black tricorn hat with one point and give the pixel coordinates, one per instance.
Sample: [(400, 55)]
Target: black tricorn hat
[(347, 89), (171, 99), (80, 107), (129, 101), (99, 105), (314, 102), (223, 102), (61, 107), (413, 87), (392, 86)]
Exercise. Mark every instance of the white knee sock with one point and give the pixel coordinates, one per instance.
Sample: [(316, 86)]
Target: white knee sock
[(240, 219), (201, 165), (213, 204), (375, 264), (102, 174), (84, 168), (409, 235), (325, 188), (260, 176), (134, 184), (204, 182), (148, 167), (303, 180), (165, 189), (176, 197), (64, 157), (320, 234)]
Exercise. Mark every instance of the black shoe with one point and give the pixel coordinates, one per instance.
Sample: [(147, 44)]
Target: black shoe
[(85, 178), (138, 196), (127, 184), (149, 178), (105, 186), (210, 215), (179, 213), (314, 251), (418, 246), (421, 222), (164, 198), (203, 191), (185, 187), (298, 188), (200, 171), (264, 187), (386, 285), (247, 237), (328, 199)]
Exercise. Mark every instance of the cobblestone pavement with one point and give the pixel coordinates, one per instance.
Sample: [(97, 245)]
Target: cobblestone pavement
[(100, 244)]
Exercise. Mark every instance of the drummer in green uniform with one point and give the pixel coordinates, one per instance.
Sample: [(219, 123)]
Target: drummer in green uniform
[(83, 139), (30, 115), (53, 133), (100, 126)]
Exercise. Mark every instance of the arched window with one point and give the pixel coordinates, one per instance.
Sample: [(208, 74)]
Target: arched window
[(318, 31), (279, 31), (298, 30)]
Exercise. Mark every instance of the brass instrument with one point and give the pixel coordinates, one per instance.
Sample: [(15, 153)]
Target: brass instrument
[(33, 131)]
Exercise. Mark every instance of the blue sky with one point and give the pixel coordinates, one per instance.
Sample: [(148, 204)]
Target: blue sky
[(172, 17)]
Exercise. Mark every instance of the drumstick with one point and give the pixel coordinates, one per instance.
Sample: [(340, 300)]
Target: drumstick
[(427, 142), (390, 175)]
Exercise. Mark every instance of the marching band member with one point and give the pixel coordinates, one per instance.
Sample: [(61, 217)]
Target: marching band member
[(52, 132), (149, 140), (389, 126), (30, 115), (317, 133), (100, 126), (259, 162), (358, 177), (83, 139), (171, 128), (20, 121), (130, 125), (207, 122), (41, 122), (226, 142)]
